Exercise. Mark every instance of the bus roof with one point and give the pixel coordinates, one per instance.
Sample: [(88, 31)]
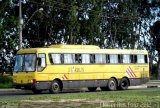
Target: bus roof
[(74, 46), (83, 49)]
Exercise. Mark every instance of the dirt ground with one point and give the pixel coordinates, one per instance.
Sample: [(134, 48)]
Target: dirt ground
[(63, 103)]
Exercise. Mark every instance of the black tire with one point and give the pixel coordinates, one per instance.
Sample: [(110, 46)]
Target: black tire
[(36, 91), (124, 83), (112, 84), (55, 87), (92, 89), (104, 88)]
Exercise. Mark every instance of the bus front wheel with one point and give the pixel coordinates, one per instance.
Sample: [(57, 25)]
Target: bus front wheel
[(55, 87), (112, 84)]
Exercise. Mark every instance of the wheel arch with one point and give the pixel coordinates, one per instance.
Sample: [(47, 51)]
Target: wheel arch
[(59, 80)]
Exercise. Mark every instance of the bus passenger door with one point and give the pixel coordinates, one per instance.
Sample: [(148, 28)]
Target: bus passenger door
[(42, 67)]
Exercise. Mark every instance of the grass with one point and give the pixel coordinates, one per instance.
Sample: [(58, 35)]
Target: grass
[(92, 100), (6, 82), (6, 85)]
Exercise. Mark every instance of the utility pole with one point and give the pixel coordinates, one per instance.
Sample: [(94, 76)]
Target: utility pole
[(20, 24)]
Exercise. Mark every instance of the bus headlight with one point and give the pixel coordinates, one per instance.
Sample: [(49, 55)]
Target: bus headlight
[(32, 81)]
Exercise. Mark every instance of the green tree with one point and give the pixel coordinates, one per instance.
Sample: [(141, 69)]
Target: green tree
[(149, 13), (8, 35), (120, 23), (71, 22), (155, 33), (90, 22)]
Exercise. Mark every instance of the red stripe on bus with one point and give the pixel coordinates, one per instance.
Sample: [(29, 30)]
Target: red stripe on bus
[(129, 74), (132, 71), (65, 76)]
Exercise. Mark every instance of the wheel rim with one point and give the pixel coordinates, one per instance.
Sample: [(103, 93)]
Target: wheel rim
[(112, 84), (55, 86), (124, 84)]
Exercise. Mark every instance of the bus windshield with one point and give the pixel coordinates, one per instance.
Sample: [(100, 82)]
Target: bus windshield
[(25, 63)]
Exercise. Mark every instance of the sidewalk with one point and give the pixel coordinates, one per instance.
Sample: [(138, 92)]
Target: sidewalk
[(13, 90), (138, 87)]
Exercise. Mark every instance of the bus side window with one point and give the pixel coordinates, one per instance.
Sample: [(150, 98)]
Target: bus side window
[(107, 58), (51, 59), (85, 58), (100, 58), (69, 58), (78, 58), (126, 58), (146, 58), (55, 58), (119, 58), (62, 58), (73, 58), (135, 58), (141, 58), (41, 62), (92, 58), (114, 58), (131, 58)]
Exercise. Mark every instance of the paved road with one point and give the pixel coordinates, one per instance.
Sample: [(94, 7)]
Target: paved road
[(14, 93)]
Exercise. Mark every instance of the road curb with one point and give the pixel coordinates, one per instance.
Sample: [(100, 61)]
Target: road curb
[(153, 86), (136, 87), (9, 90)]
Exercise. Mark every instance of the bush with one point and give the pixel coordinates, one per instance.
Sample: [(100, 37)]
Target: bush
[(5, 79), (153, 77), (6, 82)]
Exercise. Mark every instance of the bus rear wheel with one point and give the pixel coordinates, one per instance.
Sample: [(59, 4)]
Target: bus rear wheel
[(92, 89), (55, 87), (112, 84), (123, 84)]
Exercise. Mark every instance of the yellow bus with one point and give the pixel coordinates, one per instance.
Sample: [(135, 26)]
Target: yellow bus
[(59, 67)]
